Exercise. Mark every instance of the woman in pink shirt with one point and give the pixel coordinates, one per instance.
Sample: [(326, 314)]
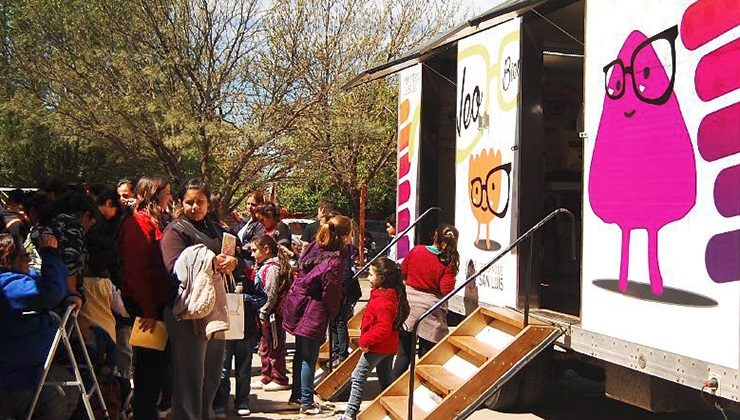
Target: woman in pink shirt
[(430, 272)]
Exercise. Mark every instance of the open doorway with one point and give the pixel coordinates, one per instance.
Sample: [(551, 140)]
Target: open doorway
[(552, 169), (437, 163)]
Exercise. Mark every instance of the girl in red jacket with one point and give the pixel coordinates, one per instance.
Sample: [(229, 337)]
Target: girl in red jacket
[(384, 315)]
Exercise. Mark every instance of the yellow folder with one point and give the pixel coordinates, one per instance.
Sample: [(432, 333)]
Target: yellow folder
[(156, 340)]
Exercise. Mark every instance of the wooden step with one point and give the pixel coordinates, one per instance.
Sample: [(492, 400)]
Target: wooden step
[(398, 406), (440, 378), (354, 333), (339, 377), (477, 349)]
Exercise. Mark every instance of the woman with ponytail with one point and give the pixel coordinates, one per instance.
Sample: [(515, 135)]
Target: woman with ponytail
[(314, 298), (384, 315), (430, 272)]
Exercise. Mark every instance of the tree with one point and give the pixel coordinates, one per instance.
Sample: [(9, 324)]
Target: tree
[(348, 138), (191, 86)]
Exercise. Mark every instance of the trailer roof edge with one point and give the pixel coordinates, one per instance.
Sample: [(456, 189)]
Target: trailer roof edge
[(495, 16)]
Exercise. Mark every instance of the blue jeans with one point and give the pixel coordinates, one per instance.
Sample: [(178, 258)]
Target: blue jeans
[(304, 368), (382, 363), (241, 351), (340, 332)]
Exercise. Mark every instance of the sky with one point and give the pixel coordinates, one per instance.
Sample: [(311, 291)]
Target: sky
[(480, 6)]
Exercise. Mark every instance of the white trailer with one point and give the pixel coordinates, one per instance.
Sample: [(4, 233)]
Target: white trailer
[(626, 113)]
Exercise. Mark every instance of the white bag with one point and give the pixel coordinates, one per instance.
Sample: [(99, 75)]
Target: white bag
[(235, 305)]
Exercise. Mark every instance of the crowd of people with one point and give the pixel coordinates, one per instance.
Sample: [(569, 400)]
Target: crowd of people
[(152, 256)]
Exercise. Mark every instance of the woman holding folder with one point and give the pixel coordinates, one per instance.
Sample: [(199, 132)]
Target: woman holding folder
[(146, 287)]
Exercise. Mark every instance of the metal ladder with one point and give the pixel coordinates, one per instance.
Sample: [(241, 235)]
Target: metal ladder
[(67, 328)]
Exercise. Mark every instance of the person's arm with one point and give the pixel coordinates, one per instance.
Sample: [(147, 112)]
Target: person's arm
[(271, 280), (447, 282), (39, 291), (380, 329), (172, 244), (255, 295)]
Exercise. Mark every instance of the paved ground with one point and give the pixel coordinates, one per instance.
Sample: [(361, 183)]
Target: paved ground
[(570, 397)]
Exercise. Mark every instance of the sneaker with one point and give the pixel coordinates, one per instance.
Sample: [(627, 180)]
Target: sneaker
[(310, 409), (243, 412), (274, 386), (345, 417), (257, 385)]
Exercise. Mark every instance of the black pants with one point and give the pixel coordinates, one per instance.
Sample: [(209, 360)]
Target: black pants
[(241, 352), (403, 358), (340, 333), (150, 367)]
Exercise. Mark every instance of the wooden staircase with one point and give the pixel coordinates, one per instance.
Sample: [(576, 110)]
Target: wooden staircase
[(462, 369)]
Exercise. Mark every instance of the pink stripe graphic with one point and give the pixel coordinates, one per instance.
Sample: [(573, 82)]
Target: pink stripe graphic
[(719, 133), (723, 257), (719, 72), (404, 166), (727, 192), (707, 19), (404, 193)]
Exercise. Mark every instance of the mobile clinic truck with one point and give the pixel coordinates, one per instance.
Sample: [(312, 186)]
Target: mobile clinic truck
[(628, 114)]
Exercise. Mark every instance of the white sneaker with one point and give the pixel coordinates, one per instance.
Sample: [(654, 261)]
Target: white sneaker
[(243, 412), (256, 385), (273, 386)]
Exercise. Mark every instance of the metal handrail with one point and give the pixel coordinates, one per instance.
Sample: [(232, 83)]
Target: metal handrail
[(378, 255), (525, 235), (396, 239)]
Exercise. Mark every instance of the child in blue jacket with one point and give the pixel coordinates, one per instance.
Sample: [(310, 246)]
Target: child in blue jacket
[(25, 340)]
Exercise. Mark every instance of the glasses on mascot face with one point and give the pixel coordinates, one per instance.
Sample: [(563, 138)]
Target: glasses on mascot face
[(652, 90), (478, 189)]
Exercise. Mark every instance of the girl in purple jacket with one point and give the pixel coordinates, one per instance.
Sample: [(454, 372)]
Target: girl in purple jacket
[(313, 300)]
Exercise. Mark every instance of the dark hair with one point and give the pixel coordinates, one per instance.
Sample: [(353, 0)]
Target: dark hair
[(74, 203), (284, 272), (327, 205), (8, 251), (43, 204), (269, 210), (17, 196), (391, 220), (330, 234), (53, 184), (106, 195), (391, 277), (194, 184), (445, 238), (147, 190), (259, 197), (97, 188)]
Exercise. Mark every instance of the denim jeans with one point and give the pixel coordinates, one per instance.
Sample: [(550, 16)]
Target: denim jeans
[(382, 363), (241, 351), (304, 367), (340, 339)]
